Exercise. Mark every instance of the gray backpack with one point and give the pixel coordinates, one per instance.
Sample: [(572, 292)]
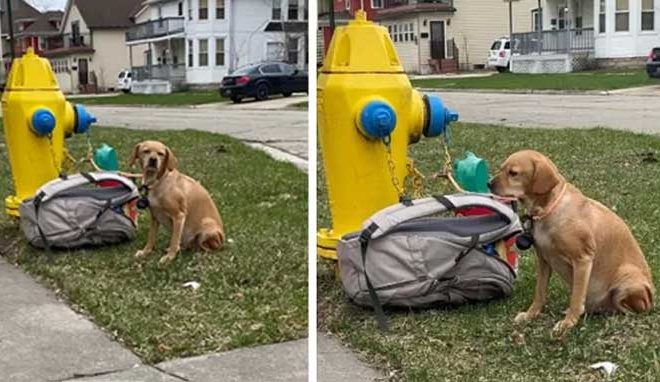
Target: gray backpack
[(81, 210), (404, 257)]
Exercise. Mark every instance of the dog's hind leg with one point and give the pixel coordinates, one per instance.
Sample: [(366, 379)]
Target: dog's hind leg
[(212, 238), (636, 298)]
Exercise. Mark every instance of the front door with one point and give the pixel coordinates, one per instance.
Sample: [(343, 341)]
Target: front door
[(83, 71), (438, 40)]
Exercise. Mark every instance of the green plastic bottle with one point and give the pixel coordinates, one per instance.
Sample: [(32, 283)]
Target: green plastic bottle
[(106, 158), (472, 173)]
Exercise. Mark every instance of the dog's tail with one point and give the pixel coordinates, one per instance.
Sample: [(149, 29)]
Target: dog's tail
[(213, 236)]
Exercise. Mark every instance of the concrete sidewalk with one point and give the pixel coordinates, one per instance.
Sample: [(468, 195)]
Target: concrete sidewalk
[(42, 339)]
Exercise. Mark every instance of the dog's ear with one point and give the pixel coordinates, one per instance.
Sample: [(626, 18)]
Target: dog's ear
[(134, 155), (545, 177), (171, 162)]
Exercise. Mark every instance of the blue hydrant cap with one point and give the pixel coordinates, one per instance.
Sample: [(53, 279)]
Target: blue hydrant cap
[(378, 119), (83, 119), (439, 116), (43, 122)]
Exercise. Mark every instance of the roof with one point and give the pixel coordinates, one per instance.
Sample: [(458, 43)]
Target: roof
[(107, 14), (286, 26), (341, 17), (23, 11), (402, 10)]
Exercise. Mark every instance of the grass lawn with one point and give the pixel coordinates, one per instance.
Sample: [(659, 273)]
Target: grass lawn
[(253, 292), (173, 99), (580, 81), (476, 343)]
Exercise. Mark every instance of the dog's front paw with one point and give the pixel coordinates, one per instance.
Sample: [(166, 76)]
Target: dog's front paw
[(562, 327), (141, 254), (165, 260), (524, 317)]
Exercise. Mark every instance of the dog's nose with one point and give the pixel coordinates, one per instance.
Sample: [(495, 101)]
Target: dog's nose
[(152, 162)]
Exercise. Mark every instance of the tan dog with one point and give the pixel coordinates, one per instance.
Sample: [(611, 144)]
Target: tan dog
[(589, 246), (178, 202)]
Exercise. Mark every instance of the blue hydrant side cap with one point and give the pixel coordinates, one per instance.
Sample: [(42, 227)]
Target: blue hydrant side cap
[(378, 119), (83, 119), (439, 116), (43, 122)]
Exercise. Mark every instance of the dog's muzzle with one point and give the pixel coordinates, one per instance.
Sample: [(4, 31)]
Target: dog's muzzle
[(152, 163)]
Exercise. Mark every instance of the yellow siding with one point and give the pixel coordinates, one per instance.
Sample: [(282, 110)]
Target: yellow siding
[(477, 23), (110, 56)]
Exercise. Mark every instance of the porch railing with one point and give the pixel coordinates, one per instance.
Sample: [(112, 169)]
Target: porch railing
[(68, 41), (155, 28), (557, 41), (159, 72)]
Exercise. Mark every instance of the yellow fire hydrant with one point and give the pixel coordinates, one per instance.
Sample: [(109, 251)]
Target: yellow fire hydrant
[(368, 115), (36, 118)]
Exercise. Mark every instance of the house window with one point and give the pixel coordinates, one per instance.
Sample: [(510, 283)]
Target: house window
[(220, 9), (537, 23), (648, 15), (180, 10), (293, 9), (376, 4), (601, 17), (277, 10), (190, 53), (220, 52), (395, 35), (190, 9), (204, 52), (292, 50), (622, 16), (411, 31), (275, 51), (203, 9), (405, 32)]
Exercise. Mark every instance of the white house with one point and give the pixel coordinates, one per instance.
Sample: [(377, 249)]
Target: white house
[(197, 42), (585, 33)]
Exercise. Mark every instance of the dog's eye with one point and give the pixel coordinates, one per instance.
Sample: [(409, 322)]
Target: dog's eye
[(513, 173), (161, 154)]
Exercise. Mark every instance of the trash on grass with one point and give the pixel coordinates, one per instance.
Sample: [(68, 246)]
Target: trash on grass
[(608, 367), (194, 285)]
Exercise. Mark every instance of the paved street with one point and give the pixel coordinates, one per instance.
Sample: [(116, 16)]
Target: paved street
[(635, 110), (282, 129)]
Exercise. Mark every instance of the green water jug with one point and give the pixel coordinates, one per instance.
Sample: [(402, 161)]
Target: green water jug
[(471, 173), (106, 158)]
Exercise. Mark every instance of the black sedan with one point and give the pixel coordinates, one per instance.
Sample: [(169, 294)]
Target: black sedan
[(653, 63), (262, 80)]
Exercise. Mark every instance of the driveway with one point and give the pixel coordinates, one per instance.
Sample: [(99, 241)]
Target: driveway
[(636, 110), (283, 130)]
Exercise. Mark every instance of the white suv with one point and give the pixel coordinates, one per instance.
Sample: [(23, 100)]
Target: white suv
[(125, 81), (499, 56)]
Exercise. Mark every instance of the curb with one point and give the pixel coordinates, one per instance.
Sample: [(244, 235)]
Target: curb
[(523, 91)]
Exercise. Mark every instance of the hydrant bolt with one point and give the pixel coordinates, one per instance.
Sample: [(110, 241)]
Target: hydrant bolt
[(43, 122), (377, 119)]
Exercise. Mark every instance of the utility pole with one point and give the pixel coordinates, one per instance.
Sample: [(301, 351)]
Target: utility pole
[(11, 31), (540, 28), (511, 21), (331, 16)]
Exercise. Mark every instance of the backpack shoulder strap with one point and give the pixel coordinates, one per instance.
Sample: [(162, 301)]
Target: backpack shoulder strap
[(56, 186), (391, 217)]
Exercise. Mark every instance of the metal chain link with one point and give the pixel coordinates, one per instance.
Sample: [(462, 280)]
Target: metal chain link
[(392, 168), (417, 179)]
